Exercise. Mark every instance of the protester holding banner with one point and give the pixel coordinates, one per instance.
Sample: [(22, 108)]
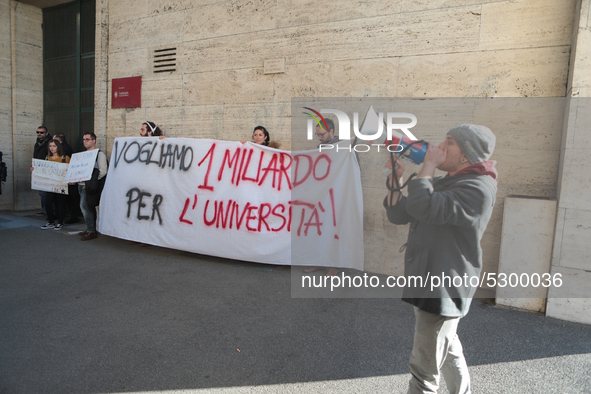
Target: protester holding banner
[(149, 129), (261, 136), (447, 216), (40, 152), (56, 154), (90, 191)]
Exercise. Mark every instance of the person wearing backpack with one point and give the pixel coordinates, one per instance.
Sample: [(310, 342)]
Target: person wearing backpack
[(90, 191)]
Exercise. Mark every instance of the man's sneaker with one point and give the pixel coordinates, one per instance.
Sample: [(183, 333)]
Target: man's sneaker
[(58, 226), (48, 225)]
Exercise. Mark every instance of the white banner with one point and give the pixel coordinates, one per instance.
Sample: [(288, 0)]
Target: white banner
[(245, 202), (81, 166), (49, 176)]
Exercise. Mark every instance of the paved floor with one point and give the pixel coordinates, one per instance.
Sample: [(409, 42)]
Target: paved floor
[(106, 316)]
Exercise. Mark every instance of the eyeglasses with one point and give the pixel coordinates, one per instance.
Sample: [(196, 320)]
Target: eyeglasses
[(41, 132), (86, 139), (321, 134)]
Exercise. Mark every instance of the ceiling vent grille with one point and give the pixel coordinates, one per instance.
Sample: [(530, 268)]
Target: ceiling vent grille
[(165, 60)]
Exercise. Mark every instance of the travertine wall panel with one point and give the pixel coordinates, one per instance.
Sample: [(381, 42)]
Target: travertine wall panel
[(423, 5), (240, 120), (581, 127), (228, 86), (28, 29), (354, 79), (123, 11), (527, 124), (449, 30), (539, 72), (226, 18), (583, 57), (27, 91), (133, 34), (167, 92), (576, 233), (526, 23), (575, 187), (29, 67), (297, 12), (130, 64), (526, 248)]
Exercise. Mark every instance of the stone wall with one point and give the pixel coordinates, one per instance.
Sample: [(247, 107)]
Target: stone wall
[(6, 102), (21, 99), (396, 48), (572, 251)]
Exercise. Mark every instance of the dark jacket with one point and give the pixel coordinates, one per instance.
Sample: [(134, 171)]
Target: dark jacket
[(41, 148), (447, 219), (67, 149)]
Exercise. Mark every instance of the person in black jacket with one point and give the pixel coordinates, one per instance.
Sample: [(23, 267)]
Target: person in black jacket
[(68, 151), (73, 202), (40, 152)]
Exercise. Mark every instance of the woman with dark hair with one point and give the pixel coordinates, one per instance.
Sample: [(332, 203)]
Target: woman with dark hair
[(260, 136), (149, 129), (57, 155)]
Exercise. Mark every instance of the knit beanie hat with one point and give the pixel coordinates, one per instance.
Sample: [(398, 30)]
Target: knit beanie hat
[(476, 142)]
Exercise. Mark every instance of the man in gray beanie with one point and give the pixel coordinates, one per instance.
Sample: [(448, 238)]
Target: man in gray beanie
[(447, 216)]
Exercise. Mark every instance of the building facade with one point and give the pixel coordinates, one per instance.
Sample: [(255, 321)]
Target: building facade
[(218, 88)]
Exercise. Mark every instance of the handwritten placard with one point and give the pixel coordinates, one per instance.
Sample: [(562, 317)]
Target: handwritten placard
[(81, 166), (245, 202), (49, 176)]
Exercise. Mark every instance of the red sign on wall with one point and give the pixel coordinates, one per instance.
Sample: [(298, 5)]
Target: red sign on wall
[(126, 92)]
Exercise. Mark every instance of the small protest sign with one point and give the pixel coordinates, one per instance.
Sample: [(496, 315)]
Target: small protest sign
[(81, 166), (49, 176)]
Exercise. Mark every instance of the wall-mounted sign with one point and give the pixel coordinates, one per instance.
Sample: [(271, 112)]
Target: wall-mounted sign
[(274, 66), (126, 92)]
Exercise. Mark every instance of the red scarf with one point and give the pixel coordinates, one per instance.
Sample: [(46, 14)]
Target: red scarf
[(481, 168)]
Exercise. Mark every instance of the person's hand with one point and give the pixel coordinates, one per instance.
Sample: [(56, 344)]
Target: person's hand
[(243, 142), (162, 137), (433, 159), (435, 156), (399, 169), (32, 169)]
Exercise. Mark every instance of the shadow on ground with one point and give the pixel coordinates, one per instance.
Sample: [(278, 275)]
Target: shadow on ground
[(109, 316)]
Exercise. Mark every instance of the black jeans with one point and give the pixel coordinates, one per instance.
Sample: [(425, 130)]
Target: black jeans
[(61, 200)]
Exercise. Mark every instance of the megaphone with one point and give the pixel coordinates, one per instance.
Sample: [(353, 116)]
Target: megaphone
[(413, 150)]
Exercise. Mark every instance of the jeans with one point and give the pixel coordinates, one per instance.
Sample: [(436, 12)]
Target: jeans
[(437, 349), (42, 195), (88, 213)]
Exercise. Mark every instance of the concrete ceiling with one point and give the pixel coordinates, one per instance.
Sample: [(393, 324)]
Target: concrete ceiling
[(44, 3)]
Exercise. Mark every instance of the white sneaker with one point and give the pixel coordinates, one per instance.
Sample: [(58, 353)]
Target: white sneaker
[(58, 226), (48, 225)]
